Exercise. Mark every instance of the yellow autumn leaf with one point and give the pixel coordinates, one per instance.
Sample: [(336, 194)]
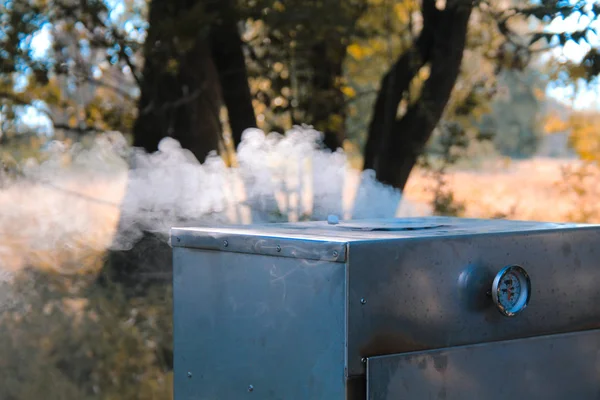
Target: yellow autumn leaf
[(348, 91), (335, 123), (278, 6), (402, 12), (73, 121), (554, 124), (356, 51)]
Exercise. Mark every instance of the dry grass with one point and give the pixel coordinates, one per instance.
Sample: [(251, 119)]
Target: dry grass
[(526, 190)]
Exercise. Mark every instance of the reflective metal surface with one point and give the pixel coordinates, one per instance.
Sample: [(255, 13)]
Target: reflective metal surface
[(313, 247), (417, 300), (257, 327), (557, 367), (260, 239), (290, 311)]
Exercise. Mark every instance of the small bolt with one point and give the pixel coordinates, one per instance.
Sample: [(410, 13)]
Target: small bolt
[(335, 253), (363, 360), (189, 374), (278, 248), (250, 388), (225, 243), (363, 301), (178, 240)]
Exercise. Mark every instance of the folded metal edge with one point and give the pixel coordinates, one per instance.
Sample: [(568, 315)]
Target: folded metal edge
[(309, 248)]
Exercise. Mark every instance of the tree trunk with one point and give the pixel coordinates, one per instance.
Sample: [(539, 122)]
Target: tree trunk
[(180, 98), (180, 94), (194, 64), (326, 107), (229, 58), (394, 145)]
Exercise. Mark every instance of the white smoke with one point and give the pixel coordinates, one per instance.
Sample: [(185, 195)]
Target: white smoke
[(82, 201)]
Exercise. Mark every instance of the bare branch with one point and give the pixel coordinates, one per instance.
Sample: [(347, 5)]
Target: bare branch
[(179, 102), (100, 83), (121, 41), (14, 98), (79, 130), (22, 102)]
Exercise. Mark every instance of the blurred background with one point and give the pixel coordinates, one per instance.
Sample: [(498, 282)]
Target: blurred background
[(122, 118)]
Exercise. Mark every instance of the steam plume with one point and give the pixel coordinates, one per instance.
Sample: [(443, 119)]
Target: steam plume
[(82, 201)]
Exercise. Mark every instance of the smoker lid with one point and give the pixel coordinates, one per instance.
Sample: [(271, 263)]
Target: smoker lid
[(320, 240)]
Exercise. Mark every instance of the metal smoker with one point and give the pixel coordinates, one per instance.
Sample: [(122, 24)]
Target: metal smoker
[(424, 308)]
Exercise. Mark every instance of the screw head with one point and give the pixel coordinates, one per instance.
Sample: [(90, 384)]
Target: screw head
[(250, 388), (225, 243), (189, 374), (278, 248), (363, 360), (363, 301), (335, 253)]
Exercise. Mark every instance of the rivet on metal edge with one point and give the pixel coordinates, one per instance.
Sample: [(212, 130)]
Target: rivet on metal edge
[(189, 374), (363, 360), (250, 388), (363, 301), (335, 253), (225, 243), (278, 248)]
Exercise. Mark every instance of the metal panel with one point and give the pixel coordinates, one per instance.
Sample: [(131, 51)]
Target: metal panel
[(318, 239), (409, 295), (250, 326), (547, 367), (344, 231), (239, 241)]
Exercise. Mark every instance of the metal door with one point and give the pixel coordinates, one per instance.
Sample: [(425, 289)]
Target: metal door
[(565, 366)]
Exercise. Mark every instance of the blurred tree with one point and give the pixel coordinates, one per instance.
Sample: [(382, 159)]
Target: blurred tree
[(193, 66), (297, 52), (584, 136), (302, 60), (395, 141), (515, 121), (61, 340), (67, 63)]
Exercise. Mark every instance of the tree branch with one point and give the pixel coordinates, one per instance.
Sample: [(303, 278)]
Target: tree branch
[(14, 98), (79, 130), (397, 151), (396, 83), (22, 102), (121, 41), (177, 103), (100, 83)]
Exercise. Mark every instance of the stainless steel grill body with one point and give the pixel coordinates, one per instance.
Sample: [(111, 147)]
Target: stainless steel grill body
[(384, 309)]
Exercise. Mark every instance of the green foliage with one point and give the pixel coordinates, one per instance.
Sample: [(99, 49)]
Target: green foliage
[(584, 137), (296, 52), (579, 184), (85, 80), (386, 31), (517, 115), (452, 143), (64, 338)]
